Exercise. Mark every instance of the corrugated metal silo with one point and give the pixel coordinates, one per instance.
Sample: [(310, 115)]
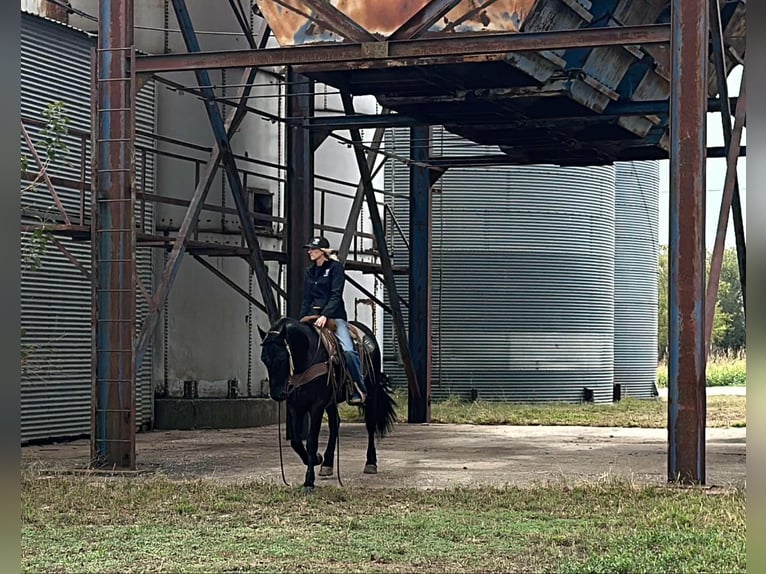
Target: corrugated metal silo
[(523, 277), (635, 313)]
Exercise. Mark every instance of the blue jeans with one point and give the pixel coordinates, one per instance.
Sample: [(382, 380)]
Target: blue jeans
[(352, 357)]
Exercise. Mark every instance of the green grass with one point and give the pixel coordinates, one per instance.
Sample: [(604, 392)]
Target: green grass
[(721, 371), (723, 411), (91, 524)]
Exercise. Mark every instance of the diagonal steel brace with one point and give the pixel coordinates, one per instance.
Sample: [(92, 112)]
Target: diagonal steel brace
[(189, 222), (380, 237), (229, 164)]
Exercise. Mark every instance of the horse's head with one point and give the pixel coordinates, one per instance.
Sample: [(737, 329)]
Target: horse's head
[(276, 357)]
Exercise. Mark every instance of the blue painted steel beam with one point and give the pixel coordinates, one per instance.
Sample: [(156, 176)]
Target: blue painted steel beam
[(686, 313), (255, 259), (113, 436), (419, 406)]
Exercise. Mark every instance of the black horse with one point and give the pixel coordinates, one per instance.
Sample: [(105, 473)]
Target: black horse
[(293, 355)]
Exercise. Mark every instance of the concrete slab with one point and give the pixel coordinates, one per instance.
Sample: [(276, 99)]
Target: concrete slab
[(424, 456)]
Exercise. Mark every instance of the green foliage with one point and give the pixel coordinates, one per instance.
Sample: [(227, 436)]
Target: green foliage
[(729, 321), (56, 126), (721, 371)]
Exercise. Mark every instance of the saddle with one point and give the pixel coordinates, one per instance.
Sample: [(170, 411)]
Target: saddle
[(363, 344)]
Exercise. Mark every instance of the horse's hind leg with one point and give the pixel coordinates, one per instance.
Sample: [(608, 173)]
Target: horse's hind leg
[(333, 420), (371, 465)]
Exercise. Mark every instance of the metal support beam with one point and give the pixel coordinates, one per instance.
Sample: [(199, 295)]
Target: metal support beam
[(364, 290), (189, 222), (356, 206), (229, 282), (113, 428), (340, 23), (229, 163), (423, 19), (719, 61), (686, 368), (409, 52), (299, 196), (729, 187), (419, 405), (380, 238)]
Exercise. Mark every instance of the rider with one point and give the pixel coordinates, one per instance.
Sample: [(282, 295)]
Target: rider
[(323, 296)]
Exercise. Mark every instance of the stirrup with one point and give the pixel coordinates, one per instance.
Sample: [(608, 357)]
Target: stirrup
[(357, 397)]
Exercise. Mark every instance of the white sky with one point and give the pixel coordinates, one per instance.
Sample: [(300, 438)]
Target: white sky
[(716, 173)]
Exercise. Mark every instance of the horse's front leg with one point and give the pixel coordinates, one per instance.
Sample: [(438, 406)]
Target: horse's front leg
[(333, 419), (312, 444), (296, 428)]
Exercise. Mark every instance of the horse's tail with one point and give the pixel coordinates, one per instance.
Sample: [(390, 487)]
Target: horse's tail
[(380, 407)]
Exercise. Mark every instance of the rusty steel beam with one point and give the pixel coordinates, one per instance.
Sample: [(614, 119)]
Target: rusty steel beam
[(380, 237), (229, 163), (72, 259), (356, 206), (340, 23), (364, 290), (719, 61), (113, 430), (419, 404), (730, 183), (423, 19), (415, 52), (299, 187), (196, 204), (686, 316), (222, 276), (43, 167)]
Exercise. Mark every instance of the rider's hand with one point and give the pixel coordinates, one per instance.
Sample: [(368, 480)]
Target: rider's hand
[(320, 321)]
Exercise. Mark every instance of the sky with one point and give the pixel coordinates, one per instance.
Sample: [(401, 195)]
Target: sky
[(716, 173)]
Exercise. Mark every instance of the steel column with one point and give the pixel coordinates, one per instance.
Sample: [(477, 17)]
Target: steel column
[(686, 368), (229, 163), (419, 406), (380, 238), (729, 190), (299, 196), (113, 434)]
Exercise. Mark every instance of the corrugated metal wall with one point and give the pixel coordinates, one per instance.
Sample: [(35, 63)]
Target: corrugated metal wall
[(635, 297), (523, 278), (56, 297)]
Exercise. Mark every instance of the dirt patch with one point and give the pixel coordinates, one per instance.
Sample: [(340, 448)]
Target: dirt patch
[(426, 456)]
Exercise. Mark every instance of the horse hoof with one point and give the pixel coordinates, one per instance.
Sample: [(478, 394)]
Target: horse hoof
[(308, 490), (325, 471), (371, 469), (319, 460)]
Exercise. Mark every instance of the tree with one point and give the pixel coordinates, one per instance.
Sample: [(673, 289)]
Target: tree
[(729, 321)]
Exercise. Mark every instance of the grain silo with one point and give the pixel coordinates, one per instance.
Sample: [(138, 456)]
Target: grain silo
[(635, 275), (522, 275)]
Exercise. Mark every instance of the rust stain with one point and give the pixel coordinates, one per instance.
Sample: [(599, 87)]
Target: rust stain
[(486, 16), (382, 17), (291, 26)]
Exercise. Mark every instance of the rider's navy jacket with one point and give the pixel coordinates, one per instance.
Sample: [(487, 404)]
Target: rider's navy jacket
[(323, 291)]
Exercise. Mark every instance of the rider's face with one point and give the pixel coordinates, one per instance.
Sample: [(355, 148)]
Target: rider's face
[(315, 254)]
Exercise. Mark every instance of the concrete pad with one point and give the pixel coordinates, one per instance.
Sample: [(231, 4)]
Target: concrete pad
[(425, 456)]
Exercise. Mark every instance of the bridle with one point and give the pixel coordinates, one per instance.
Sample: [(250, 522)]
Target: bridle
[(314, 370)]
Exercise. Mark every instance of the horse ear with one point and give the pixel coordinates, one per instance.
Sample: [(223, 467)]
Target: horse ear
[(262, 333)]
